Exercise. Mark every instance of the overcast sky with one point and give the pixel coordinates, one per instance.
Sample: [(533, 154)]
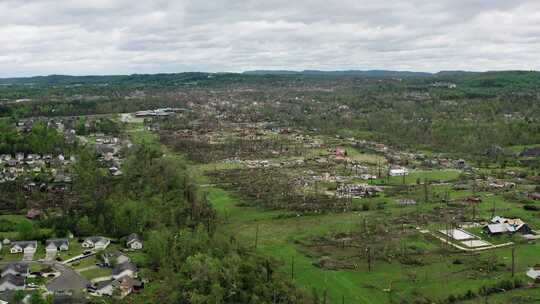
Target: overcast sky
[(40, 37)]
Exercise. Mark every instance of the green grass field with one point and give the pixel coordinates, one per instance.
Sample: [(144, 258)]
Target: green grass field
[(388, 282)]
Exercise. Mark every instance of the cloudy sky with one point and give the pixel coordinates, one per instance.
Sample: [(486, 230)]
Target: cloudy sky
[(39, 37)]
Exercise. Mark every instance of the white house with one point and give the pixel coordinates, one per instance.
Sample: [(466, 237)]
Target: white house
[(54, 245), (24, 246), (398, 172), (534, 273), (125, 269), (134, 241), (96, 242)]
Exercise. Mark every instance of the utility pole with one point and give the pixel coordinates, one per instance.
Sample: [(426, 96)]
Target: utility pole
[(267, 271), (256, 236), (425, 191), (369, 258), (513, 261), (292, 268)]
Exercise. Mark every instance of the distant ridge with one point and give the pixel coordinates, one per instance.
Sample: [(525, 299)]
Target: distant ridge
[(368, 73), (196, 77)]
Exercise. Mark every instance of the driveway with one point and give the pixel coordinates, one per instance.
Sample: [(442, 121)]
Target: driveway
[(28, 257), (68, 280), (50, 256)]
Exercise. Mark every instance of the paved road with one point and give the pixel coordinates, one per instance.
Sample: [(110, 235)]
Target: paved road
[(68, 280)]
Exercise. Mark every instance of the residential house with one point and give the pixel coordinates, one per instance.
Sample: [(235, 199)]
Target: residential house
[(96, 242), (534, 273), (358, 190), (534, 196), (531, 152), (114, 255), (106, 288), (24, 246), (17, 269), (501, 225), (129, 285), (398, 172), (125, 285), (134, 241), (19, 156), (406, 202), (54, 245), (125, 269), (33, 214), (473, 200), (11, 282)]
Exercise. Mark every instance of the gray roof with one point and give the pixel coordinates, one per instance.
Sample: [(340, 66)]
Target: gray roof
[(25, 244), (58, 242), (497, 228), (113, 254), (67, 299), (133, 237), (13, 279), (18, 267), (131, 281), (103, 284), (95, 239), (124, 266)]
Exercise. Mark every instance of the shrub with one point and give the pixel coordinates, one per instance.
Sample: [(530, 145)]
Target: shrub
[(531, 208)]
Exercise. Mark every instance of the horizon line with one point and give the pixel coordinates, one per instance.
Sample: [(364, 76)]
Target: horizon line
[(273, 71)]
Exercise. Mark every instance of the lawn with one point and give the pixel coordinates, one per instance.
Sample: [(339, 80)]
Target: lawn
[(75, 249), (14, 218), (8, 257), (368, 158), (96, 273), (86, 262)]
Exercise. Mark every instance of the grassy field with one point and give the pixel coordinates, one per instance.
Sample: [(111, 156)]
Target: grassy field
[(278, 236)]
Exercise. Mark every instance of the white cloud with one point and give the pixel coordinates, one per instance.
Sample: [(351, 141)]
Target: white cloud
[(124, 36)]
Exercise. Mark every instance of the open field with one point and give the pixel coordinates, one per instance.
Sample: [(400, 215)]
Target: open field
[(278, 237)]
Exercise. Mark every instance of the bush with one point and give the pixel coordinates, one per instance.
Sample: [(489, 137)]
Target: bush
[(366, 206), (531, 208)]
